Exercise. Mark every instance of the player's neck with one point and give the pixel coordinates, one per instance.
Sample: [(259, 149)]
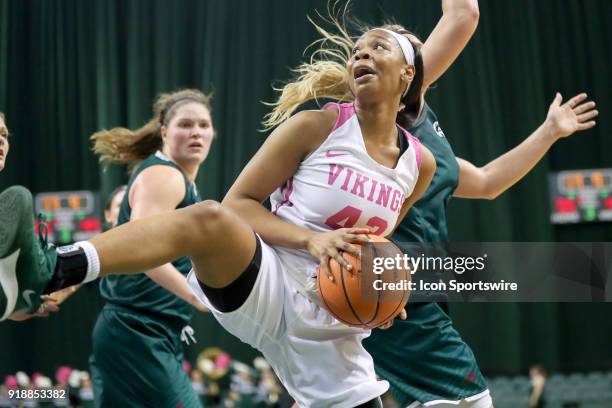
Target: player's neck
[(377, 122), (191, 171), (189, 168)]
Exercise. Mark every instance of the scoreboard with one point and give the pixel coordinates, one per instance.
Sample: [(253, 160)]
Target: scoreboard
[(578, 196), (71, 215)]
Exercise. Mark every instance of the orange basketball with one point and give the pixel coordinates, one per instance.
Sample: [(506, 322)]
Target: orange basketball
[(352, 296)]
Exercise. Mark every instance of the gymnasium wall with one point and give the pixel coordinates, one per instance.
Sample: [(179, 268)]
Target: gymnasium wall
[(69, 68)]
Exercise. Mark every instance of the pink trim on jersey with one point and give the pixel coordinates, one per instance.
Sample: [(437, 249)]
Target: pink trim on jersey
[(416, 143), (346, 110), (286, 196)]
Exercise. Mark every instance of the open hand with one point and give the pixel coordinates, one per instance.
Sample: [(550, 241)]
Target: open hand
[(573, 116)]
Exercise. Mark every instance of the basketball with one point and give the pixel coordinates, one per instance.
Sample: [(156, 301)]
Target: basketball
[(351, 296)]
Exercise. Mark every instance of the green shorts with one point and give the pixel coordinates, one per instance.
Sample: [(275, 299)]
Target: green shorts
[(424, 358), (137, 361)]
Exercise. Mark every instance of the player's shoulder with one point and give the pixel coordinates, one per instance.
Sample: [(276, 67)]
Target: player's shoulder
[(311, 127), (318, 117), (316, 122), (161, 178), (161, 172)]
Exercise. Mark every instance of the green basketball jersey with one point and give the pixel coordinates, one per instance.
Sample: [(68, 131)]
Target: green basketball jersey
[(424, 357), (139, 292), (426, 220)]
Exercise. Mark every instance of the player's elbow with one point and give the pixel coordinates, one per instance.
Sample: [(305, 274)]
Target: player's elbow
[(468, 15), (474, 12), (236, 200), (470, 11), (233, 202), (240, 203), (485, 186), (490, 190)]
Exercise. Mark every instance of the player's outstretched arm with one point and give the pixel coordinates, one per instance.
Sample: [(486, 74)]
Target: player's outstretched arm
[(450, 36), (497, 176)]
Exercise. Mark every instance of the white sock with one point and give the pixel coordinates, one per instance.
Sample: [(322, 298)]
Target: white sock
[(93, 261)]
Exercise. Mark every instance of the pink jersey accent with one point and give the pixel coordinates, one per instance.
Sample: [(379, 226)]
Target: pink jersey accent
[(417, 146), (346, 110), (288, 189)]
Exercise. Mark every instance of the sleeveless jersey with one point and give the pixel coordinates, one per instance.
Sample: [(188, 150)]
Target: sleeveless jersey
[(138, 292), (426, 220), (340, 186), (439, 365)]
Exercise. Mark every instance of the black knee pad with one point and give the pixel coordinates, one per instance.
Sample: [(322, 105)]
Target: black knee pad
[(234, 295)]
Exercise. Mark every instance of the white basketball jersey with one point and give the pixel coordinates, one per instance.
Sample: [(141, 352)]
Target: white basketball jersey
[(340, 186)]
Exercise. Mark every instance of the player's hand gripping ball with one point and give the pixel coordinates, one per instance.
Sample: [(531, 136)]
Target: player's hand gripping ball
[(352, 297)]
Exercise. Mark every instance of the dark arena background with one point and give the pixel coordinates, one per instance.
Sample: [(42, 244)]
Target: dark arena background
[(69, 68)]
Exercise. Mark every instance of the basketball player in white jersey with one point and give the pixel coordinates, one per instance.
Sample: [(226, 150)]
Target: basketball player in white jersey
[(333, 175)]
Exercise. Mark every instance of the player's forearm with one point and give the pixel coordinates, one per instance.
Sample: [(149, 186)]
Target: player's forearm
[(506, 170), (462, 8), (271, 228), (168, 277), (449, 37)]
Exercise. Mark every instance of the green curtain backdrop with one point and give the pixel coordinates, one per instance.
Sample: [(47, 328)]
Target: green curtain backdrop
[(69, 68)]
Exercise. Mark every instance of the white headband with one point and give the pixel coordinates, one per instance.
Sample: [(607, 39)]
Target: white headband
[(407, 50), (404, 44)]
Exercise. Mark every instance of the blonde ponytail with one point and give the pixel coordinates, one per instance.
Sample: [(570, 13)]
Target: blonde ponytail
[(325, 76)]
